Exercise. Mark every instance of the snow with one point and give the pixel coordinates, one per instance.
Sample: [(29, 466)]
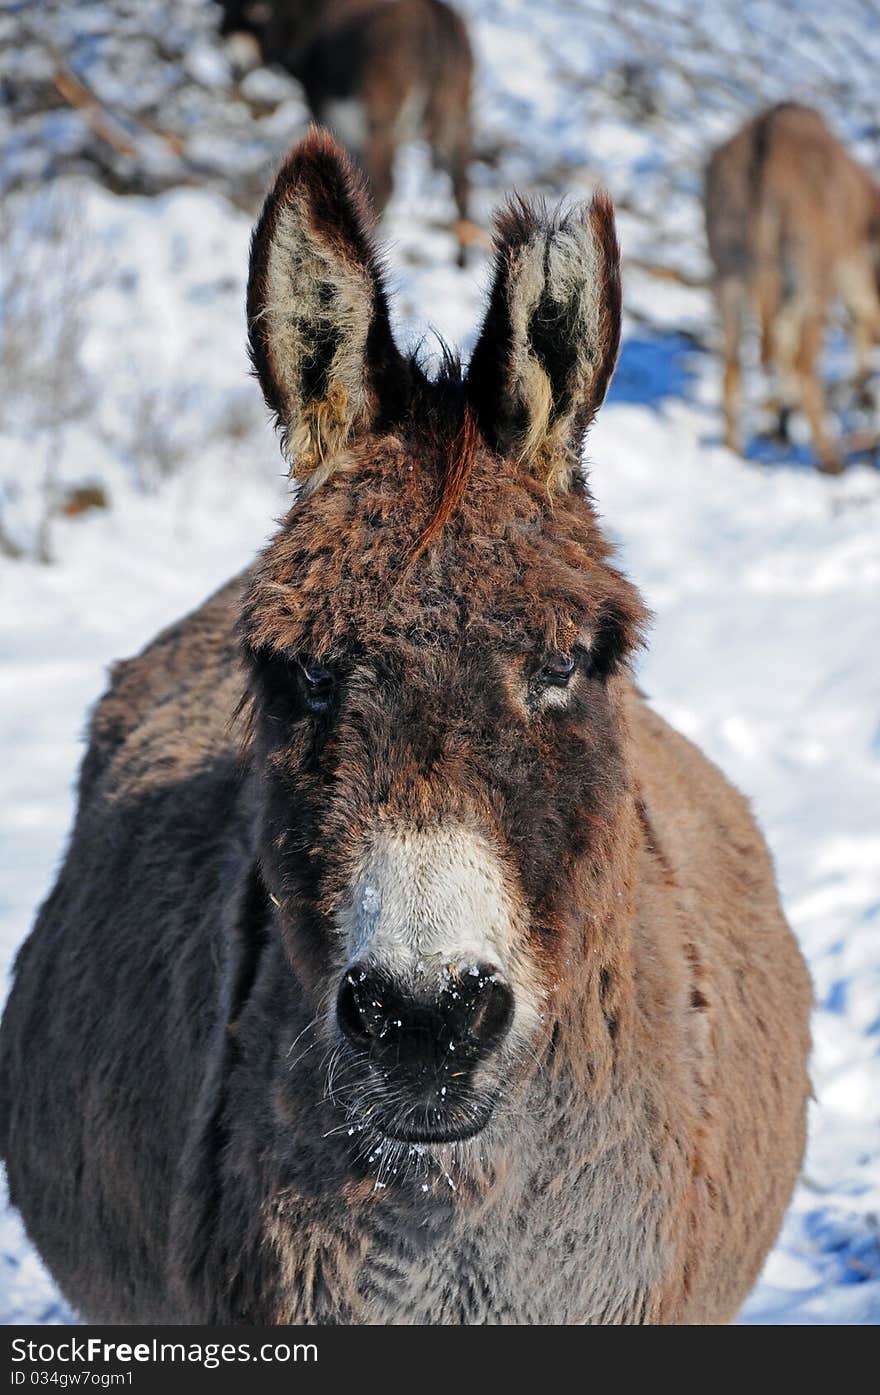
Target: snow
[(762, 575)]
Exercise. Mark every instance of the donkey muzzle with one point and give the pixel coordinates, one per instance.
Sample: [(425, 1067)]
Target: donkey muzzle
[(427, 1046)]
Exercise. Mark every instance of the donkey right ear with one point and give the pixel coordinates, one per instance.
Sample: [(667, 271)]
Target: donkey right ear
[(318, 325)]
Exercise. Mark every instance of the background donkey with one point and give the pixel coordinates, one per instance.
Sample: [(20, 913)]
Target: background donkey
[(378, 73), (464, 993), (793, 223)]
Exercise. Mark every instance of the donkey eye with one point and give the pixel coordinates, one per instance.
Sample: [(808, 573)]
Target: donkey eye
[(319, 683), (557, 670)]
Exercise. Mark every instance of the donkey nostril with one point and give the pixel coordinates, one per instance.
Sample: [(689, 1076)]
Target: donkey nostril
[(362, 1013), (490, 1007)]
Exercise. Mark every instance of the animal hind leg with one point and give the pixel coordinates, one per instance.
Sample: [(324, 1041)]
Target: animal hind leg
[(812, 394), (860, 293), (379, 163), (777, 317), (787, 330), (449, 136), (866, 332), (730, 300), (461, 194), (768, 298)]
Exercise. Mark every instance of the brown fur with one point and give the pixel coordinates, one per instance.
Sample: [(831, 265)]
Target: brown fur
[(793, 223), (187, 1132), (456, 474), (378, 72)]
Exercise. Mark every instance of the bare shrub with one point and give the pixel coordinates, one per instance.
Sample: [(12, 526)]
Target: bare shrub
[(159, 434), (48, 272)]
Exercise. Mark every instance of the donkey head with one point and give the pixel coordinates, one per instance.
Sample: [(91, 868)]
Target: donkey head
[(436, 641)]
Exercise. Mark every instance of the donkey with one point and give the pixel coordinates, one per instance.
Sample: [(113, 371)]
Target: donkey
[(454, 987), (379, 73), (793, 223)]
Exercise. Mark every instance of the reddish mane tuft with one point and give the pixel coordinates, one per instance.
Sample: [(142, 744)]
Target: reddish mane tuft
[(455, 481)]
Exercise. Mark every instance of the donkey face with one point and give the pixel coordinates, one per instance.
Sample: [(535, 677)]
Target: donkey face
[(433, 637)]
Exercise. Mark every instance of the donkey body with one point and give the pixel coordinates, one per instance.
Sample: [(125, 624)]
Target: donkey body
[(793, 224), (378, 73), (461, 992)]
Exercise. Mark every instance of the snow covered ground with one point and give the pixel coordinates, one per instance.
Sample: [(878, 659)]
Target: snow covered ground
[(763, 577)]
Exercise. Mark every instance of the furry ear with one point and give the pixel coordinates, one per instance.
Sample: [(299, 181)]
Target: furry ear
[(549, 342), (318, 325)]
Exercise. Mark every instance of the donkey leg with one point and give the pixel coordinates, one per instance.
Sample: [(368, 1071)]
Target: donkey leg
[(858, 288), (866, 333), (449, 136), (730, 302), (459, 144), (461, 189), (770, 307), (768, 297), (786, 332), (379, 163), (461, 192), (812, 394)]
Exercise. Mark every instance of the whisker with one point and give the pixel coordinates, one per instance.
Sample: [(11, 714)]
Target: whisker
[(314, 1022)]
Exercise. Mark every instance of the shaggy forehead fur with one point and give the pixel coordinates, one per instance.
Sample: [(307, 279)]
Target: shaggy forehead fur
[(512, 566)]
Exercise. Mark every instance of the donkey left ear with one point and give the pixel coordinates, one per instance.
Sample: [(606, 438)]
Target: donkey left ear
[(549, 342), (318, 324)]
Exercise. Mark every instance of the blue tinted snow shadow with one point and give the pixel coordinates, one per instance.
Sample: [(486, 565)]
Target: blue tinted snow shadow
[(835, 998), (765, 450), (853, 1243), (652, 369)]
